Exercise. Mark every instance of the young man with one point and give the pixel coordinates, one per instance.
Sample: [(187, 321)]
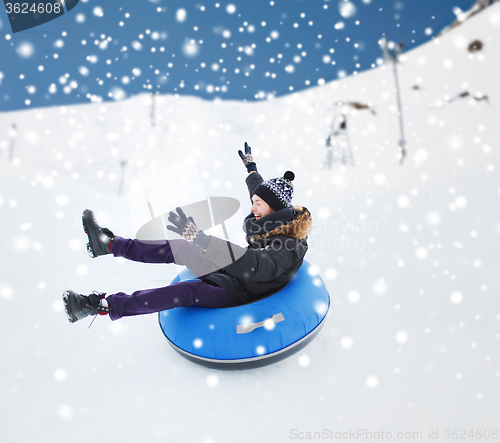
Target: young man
[(229, 274)]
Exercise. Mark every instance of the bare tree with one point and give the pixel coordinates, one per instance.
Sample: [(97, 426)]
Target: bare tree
[(361, 107), (465, 94), (475, 46)]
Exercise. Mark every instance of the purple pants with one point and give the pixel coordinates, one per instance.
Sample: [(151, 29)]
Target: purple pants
[(182, 294)]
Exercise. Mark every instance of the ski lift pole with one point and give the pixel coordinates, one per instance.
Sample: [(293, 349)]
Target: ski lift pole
[(123, 164), (402, 140), (393, 57), (152, 111), (12, 142), (328, 160)]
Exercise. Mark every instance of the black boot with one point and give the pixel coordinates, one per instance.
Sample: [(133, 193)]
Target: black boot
[(99, 238), (79, 306)]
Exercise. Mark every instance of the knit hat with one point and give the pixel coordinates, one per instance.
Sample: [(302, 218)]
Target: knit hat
[(277, 192)]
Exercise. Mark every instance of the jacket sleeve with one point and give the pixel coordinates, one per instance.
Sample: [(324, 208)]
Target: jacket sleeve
[(250, 264), (253, 180)]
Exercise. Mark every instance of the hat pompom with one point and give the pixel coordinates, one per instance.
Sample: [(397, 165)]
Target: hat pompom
[(289, 175)]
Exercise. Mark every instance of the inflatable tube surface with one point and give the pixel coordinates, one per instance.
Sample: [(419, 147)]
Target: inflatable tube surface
[(252, 335)]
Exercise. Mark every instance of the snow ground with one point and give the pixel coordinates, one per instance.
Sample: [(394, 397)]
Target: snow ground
[(411, 340)]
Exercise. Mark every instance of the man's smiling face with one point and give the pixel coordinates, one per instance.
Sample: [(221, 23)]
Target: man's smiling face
[(259, 207)]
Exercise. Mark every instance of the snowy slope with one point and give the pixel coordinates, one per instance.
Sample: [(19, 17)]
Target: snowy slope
[(409, 254)]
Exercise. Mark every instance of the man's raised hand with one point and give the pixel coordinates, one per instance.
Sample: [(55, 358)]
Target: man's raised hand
[(248, 159)]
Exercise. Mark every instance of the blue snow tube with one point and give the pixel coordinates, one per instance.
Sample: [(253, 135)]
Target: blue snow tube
[(252, 335)]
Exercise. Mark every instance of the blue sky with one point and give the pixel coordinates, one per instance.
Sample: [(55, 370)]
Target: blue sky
[(240, 50)]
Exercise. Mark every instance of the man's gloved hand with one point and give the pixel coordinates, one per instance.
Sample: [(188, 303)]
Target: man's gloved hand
[(248, 159), (187, 228)]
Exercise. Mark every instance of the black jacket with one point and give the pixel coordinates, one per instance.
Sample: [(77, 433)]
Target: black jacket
[(277, 244)]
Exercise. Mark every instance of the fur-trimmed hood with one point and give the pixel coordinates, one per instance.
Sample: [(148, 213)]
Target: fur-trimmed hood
[(293, 222)]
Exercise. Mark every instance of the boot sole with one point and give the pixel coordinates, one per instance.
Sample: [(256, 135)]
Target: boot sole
[(67, 308), (90, 244)]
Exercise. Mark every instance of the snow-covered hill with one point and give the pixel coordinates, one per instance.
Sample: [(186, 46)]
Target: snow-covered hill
[(409, 254)]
